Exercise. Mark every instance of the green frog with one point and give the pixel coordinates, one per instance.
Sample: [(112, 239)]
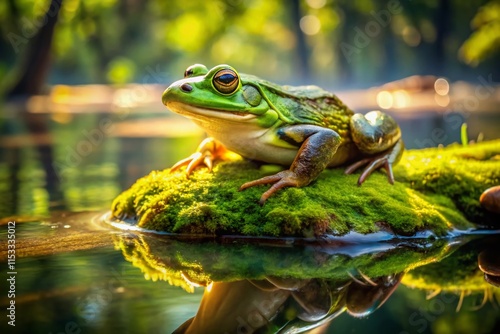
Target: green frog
[(305, 128)]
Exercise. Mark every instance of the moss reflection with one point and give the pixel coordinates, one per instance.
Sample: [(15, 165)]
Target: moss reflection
[(265, 289)]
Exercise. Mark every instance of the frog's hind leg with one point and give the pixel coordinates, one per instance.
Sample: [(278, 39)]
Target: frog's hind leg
[(378, 136)]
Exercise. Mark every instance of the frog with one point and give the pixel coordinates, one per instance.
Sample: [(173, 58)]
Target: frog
[(304, 128)]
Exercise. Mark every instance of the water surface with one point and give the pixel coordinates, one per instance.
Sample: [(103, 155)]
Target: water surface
[(75, 274)]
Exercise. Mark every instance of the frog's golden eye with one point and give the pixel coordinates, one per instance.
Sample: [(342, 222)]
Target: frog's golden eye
[(226, 81)]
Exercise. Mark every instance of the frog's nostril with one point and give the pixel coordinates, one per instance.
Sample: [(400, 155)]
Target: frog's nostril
[(186, 87)]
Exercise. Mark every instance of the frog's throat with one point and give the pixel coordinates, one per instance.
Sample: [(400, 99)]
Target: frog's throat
[(207, 114)]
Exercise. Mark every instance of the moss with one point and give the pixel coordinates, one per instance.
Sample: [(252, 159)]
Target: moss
[(437, 189), (182, 263)]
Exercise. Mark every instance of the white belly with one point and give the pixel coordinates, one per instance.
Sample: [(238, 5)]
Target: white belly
[(250, 141)]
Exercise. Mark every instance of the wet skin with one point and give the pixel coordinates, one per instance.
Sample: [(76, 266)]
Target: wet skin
[(304, 127)]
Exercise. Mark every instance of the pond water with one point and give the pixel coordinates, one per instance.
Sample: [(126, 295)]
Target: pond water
[(74, 273)]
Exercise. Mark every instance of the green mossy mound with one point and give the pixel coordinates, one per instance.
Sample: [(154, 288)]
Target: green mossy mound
[(437, 189)]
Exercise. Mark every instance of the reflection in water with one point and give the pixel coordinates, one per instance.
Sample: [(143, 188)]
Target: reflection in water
[(69, 272), (489, 263), (271, 290), (465, 273), (13, 168), (46, 165), (285, 305)]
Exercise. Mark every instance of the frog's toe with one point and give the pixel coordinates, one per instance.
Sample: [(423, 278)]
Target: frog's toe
[(275, 187), (209, 162), (390, 174), (181, 163), (193, 161), (283, 179), (207, 152), (355, 166), (197, 159), (373, 164)]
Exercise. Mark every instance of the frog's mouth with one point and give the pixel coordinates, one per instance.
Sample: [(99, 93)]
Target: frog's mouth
[(206, 113)]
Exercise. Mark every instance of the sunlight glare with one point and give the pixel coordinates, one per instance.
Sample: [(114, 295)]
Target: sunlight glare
[(384, 99), (401, 98)]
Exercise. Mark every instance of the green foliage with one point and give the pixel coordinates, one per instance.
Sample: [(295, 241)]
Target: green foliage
[(438, 190), (265, 38), (485, 40), (120, 70)]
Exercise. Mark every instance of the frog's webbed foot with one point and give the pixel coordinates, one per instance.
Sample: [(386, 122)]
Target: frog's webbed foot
[(207, 152), (384, 160), (283, 179)]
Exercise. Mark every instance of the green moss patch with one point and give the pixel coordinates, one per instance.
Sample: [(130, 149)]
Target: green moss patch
[(437, 189)]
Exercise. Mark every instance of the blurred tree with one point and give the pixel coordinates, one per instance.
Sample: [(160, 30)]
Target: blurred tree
[(34, 44), (442, 24), (287, 41), (303, 52), (35, 63)]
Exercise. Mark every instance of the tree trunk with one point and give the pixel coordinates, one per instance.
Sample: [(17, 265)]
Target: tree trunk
[(36, 63), (303, 51), (442, 22)]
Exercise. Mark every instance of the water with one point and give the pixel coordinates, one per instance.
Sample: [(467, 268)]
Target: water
[(68, 277), (77, 274)]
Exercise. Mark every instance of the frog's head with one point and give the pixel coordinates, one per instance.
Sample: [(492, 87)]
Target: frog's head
[(218, 95)]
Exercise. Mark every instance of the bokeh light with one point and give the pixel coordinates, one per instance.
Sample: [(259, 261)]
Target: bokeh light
[(401, 98), (385, 100), (411, 36), (441, 86), (316, 4), (310, 24)]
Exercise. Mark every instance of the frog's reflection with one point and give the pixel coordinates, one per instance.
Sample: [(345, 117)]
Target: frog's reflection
[(269, 289), (282, 305)]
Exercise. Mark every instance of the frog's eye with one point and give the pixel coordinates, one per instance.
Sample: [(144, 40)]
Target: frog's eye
[(226, 81), (189, 72)]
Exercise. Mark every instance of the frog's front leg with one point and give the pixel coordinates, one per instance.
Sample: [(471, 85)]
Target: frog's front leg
[(207, 152), (317, 147), (378, 137)]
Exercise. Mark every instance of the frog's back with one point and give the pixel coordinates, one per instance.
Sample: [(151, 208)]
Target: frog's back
[(308, 105)]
